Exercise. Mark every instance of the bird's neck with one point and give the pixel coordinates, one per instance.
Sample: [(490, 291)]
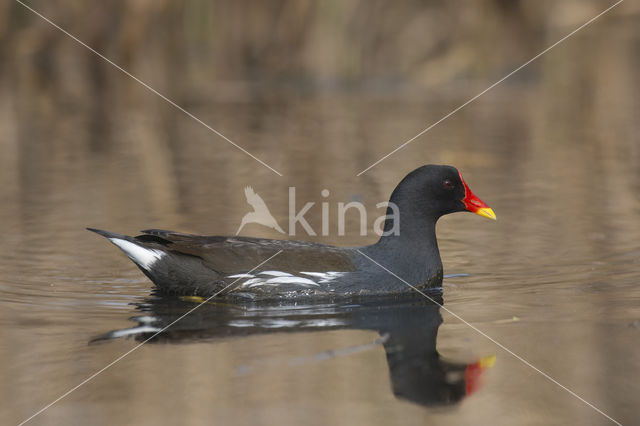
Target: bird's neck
[(411, 253), (410, 236)]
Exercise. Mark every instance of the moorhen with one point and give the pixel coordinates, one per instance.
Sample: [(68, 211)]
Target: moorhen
[(195, 265)]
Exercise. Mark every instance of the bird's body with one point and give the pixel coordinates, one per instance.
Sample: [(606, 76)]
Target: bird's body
[(189, 264), (205, 265)]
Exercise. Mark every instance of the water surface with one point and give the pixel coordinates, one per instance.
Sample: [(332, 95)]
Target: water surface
[(554, 151)]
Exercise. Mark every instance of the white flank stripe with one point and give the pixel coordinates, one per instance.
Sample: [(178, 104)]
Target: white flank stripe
[(252, 282), (292, 280), (275, 273), (272, 282), (315, 274), (325, 276), (279, 277), (140, 255)]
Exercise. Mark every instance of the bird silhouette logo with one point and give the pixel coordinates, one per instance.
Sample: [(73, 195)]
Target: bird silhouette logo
[(260, 214)]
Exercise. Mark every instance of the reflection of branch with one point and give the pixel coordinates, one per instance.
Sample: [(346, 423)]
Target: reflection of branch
[(243, 370)]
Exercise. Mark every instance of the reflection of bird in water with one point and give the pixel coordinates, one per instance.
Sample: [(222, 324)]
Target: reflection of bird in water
[(407, 326), (260, 213)]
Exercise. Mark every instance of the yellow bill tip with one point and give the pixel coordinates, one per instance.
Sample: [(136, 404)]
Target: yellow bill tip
[(486, 212), (487, 361)]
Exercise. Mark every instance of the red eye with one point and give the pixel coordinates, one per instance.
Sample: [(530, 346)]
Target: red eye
[(448, 184)]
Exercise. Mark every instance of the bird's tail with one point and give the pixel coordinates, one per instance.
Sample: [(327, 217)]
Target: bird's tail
[(110, 235), (142, 256)]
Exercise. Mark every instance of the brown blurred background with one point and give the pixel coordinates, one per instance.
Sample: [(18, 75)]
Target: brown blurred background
[(317, 89), (320, 90)]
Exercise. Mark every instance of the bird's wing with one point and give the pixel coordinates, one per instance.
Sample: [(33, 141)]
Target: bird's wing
[(232, 255), (255, 200)]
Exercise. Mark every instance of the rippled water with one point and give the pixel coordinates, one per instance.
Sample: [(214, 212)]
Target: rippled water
[(555, 152)]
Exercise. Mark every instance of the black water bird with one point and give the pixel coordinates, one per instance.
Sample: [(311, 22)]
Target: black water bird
[(187, 264)]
